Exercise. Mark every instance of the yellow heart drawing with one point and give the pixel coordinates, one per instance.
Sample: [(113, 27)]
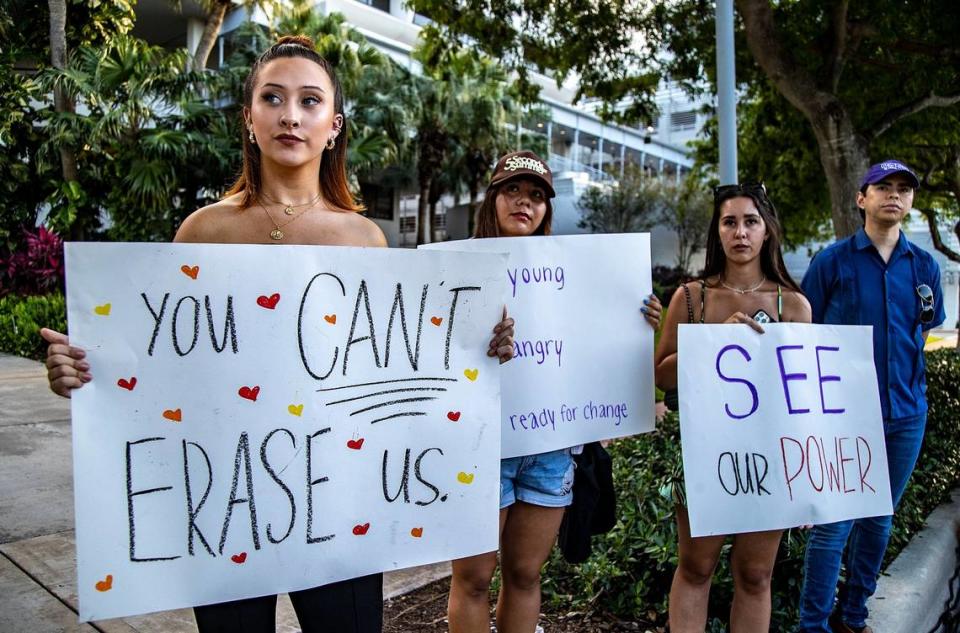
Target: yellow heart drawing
[(465, 478), (295, 409), (471, 374), (103, 310)]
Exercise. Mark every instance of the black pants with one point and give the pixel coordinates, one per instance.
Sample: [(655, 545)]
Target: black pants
[(350, 606)]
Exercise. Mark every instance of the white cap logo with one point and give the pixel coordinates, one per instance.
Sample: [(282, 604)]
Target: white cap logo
[(893, 166), (522, 162)]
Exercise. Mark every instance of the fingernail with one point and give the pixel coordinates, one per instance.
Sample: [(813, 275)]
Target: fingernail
[(644, 310), (83, 366)]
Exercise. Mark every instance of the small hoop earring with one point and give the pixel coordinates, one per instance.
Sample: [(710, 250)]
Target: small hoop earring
[(252, 139), (331, 143)]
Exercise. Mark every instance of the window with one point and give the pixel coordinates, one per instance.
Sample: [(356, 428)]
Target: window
[(378, 200), (680, 121), (408, 224), (383, 5)]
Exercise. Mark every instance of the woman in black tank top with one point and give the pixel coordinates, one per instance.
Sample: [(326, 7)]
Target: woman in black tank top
[(747, 282)]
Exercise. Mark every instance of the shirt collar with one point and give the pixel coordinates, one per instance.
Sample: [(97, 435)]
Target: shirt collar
[(861, 240)]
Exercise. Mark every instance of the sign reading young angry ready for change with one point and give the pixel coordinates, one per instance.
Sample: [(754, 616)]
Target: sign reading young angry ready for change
[(265, 419), (780, 429), (582, 368)]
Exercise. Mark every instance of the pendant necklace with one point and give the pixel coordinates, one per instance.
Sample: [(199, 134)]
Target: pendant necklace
[(290, 209), (744, 291), (277, 234)]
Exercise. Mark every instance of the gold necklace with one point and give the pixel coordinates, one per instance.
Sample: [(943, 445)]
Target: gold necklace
[(744, 291), (276, 234), (289, 209)]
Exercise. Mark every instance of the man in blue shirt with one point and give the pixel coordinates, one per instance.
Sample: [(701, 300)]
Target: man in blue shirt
[(875, 277)]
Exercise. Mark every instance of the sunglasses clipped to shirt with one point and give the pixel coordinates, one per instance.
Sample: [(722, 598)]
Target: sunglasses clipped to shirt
[(926, 303)]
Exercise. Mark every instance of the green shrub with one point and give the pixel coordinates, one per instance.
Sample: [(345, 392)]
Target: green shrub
[(630, 571), (21, 319)]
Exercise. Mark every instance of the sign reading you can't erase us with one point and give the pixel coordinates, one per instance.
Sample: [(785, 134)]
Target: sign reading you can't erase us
[(264, 419), (780, 429), (582, 367)]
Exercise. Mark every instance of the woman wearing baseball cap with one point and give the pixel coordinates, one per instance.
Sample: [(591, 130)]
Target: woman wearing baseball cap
[(534, 489)]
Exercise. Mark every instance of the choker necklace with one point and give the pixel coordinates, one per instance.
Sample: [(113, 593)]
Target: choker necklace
[(744, 291), (276, 234), (289, 209)]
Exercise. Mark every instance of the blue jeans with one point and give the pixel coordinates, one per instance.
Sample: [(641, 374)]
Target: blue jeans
[(865, 541)]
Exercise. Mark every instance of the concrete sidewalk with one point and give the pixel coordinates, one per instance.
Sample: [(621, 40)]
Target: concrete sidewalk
[(37, 551)]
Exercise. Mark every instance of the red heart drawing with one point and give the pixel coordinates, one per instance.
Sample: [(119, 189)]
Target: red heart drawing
[(330, 318), (453, 416), (360, 530), (436, 321), (239, 558), (249, 393), (416, 532), (190, 271), (172, 415), (355, 444), (106, 584), (268, 302), (127, 384)]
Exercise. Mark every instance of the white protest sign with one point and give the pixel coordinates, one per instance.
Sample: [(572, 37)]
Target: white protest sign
[(780, 429), (583, 354), (265, 419)]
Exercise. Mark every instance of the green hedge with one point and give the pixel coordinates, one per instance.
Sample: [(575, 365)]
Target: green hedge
[(630, 571), (21, 319)]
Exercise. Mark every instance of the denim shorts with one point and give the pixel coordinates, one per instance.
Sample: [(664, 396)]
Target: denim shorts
[(541, 480)]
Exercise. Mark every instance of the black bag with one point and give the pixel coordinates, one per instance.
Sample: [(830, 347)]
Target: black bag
[(594, 507)]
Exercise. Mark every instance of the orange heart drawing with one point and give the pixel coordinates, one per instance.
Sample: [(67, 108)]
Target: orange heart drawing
[(471, 374), (250, 393), (355, 444), (190, 271), (360, 530), (127, 384), (103, 310), (330, 318), (173, 415), (436, 321), (453, 416), (416, 532), (239, 558), (106, 584)]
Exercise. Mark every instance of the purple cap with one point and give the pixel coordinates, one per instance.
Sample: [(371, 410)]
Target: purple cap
[(887, 168)]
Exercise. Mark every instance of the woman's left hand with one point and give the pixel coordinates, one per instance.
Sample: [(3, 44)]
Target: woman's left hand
[(652, 310), (501, 344)]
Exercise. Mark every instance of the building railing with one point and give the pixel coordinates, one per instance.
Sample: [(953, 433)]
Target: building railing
[(559, 163)]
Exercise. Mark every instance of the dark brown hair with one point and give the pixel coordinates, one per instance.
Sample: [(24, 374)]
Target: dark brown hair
[(771, 258), (333, 173), (486, 225)]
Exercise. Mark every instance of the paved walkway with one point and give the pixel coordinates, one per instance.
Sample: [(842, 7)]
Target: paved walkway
[(38, 590)]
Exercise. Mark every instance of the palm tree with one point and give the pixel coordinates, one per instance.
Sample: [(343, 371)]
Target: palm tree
[(62, 103)]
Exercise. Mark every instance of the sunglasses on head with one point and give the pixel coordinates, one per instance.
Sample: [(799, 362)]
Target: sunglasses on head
[(926, 303), (722, 191)]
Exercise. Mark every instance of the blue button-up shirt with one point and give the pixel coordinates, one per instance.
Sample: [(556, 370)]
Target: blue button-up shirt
[(849, 283)]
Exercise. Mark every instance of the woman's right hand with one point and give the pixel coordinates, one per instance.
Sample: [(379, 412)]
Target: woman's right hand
[(66, 368), (740, 317)]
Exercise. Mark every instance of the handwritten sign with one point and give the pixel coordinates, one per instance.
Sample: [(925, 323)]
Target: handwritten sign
[(582, 367), (780, 429), (265, 419)]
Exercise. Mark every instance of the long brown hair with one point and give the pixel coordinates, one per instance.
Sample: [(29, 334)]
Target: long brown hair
[(771, 258), (333, 165), (486, 221)]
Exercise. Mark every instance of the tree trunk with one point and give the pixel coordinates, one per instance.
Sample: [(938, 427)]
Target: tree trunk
[(423, 214), (62, 102), (211, 29), (956, 229), (845, 158)]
